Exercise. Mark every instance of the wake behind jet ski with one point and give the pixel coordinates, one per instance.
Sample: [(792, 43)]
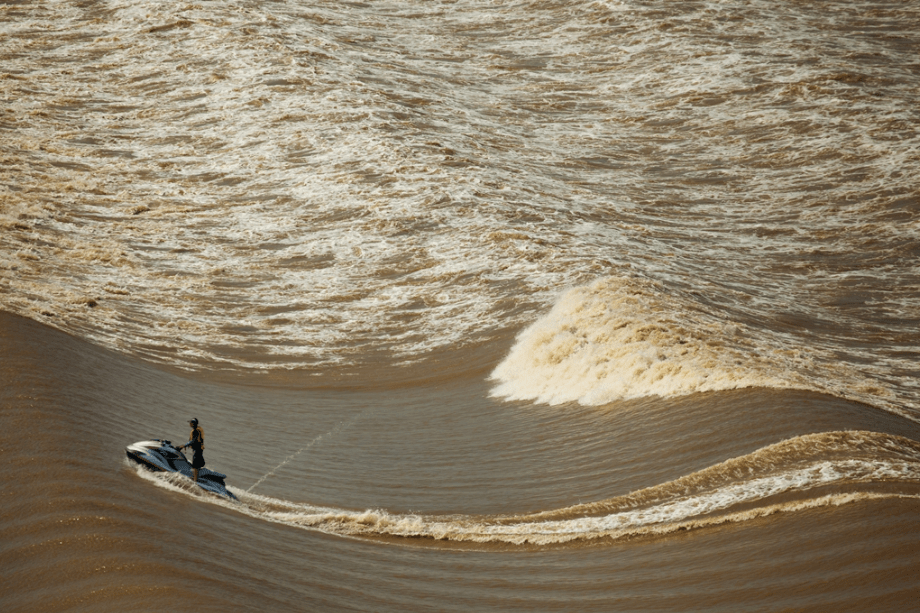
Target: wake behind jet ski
[(161, 456)]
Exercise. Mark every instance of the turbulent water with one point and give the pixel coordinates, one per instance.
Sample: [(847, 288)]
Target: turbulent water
[(539, 305)]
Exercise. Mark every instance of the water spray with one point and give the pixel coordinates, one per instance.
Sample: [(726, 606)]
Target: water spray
[(337, 429)]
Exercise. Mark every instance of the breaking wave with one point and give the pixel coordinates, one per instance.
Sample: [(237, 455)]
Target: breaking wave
[(617, 339), (621, 338)]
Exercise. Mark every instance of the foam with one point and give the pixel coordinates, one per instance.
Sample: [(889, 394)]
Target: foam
[(620, 338)]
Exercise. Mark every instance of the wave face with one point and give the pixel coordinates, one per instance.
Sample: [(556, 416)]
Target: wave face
[(484, 306)]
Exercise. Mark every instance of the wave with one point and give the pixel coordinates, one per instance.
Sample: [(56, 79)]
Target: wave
[(826, 469), (625, 338), (621, 338)]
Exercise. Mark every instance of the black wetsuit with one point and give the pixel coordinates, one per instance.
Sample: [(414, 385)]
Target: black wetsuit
[(196, 442)]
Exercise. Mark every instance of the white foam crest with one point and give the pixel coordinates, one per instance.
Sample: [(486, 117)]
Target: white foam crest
[(619, 338)]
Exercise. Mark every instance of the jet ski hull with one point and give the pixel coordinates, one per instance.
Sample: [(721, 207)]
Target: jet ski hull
[(161, 456)]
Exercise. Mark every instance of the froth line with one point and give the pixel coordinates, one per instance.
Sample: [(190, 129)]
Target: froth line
[(804, 465)]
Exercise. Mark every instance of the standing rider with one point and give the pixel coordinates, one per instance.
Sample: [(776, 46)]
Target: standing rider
[(196, 442)]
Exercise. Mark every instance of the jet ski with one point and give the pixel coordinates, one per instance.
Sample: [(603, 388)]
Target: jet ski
[(160, 456)]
